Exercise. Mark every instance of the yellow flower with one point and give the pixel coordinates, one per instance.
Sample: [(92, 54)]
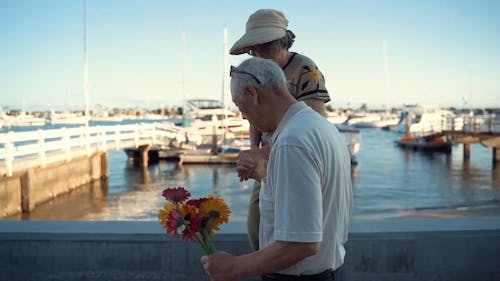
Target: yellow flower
[(187, 211), (313, 73), (164, 213), (216, 210)]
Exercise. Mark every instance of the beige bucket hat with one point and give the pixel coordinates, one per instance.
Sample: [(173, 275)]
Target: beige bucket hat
[(263, 26)]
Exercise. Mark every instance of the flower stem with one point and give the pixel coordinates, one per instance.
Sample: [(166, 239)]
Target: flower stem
[(204, 247)]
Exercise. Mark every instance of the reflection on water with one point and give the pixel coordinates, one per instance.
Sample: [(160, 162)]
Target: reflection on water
[(388, 182), (75, 205)]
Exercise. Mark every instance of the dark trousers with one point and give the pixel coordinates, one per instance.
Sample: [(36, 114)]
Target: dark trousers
[(327, 275)]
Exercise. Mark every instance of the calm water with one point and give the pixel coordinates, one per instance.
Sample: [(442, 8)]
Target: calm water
[(388, 182)]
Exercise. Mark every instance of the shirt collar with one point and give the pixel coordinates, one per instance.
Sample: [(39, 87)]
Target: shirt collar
[(292, 111)]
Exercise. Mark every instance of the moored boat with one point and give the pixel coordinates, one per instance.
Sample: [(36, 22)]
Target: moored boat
[(430, 144)]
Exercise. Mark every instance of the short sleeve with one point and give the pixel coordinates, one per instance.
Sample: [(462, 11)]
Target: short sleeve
[(311, 84), (298, 213)]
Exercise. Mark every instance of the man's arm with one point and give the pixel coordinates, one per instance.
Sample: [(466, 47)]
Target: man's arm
[(275, 257), (255, 137)]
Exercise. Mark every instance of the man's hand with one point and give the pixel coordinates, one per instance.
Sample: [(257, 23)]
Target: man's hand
[(252, 163), (219, 266)]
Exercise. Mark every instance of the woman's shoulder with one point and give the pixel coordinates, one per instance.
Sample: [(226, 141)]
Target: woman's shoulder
[(303, 60)]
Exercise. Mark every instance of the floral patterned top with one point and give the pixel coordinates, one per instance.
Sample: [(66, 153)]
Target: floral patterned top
[(305, 81)]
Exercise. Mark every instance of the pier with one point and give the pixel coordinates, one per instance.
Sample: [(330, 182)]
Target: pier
[(466, 132), (37, 166), (466, 138)]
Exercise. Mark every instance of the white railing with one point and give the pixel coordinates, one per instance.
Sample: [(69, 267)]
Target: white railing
[(38, 145), (466, 124)]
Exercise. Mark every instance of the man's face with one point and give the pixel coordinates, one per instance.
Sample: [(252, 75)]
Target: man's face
[(239, 101), (244, 102)]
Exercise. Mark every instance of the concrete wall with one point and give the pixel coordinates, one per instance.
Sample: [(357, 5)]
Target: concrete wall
[(23, 191), (414, 249)]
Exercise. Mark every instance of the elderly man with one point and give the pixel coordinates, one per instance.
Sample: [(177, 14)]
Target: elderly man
[(306, 196)]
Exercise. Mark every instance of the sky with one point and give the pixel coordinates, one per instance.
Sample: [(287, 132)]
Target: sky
[(382, 53)]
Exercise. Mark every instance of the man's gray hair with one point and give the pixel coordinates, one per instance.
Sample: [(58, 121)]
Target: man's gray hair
[(268, 73)]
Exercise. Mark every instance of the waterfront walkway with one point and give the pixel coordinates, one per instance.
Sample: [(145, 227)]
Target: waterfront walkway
[(400, 249)]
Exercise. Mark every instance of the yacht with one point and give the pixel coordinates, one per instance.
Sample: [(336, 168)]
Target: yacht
[(26, 120), (336, 117), (207, 117), (21, 120), (421, 120), (66, 118), (372, 119), (352, 138)]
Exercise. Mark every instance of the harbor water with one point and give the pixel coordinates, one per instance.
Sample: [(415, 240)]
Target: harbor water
[(388, 182)]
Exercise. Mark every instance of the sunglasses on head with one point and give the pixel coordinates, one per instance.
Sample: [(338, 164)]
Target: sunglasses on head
[(236, 70)]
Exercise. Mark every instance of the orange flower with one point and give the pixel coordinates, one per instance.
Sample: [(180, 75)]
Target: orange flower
[(195, 219), (216, 210)]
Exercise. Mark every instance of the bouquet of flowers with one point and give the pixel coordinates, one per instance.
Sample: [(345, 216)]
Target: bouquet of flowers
[(193, 219)]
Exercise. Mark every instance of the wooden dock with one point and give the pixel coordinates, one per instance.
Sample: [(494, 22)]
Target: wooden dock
[(487, 139), (473, 131)]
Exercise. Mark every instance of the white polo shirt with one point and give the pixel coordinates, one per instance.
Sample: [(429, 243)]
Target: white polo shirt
[(307, 194)]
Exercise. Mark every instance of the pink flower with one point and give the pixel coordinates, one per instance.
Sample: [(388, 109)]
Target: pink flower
[(176, 195), (175, 221), (196, 202)]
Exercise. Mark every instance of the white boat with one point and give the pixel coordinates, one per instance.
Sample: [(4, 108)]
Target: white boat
[(352, 138), (66, 118), (207, 117), (26, 120), (102, 114), (21, 120), (336, 117), (421, 120), (227, 152), (372, 119)]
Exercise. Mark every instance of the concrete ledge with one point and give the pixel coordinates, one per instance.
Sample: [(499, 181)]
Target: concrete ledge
[(28, 188), (413, 249)]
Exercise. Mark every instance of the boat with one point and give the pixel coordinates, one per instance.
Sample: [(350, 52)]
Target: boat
[(429, 144), (207, 157), (352, 138), (208, 117), (336, 117), (66, 118), (102, 114), (372, 119), (26, 120), (423, 120)]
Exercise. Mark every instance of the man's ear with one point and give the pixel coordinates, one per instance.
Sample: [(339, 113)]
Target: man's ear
[(254, 94)]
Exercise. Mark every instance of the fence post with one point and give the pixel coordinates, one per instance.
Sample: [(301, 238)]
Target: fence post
[(41, 147), (66, 143), (136, 135), (9, 153), (87, 140), (154, 134), (102, 138), (117, 137), (490, 128)]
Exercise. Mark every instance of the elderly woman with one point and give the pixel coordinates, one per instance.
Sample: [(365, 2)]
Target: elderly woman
[(267, 36)]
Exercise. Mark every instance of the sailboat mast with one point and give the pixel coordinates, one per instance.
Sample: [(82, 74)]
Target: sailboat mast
[(225, 84), (184, 94), (85, 65)]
